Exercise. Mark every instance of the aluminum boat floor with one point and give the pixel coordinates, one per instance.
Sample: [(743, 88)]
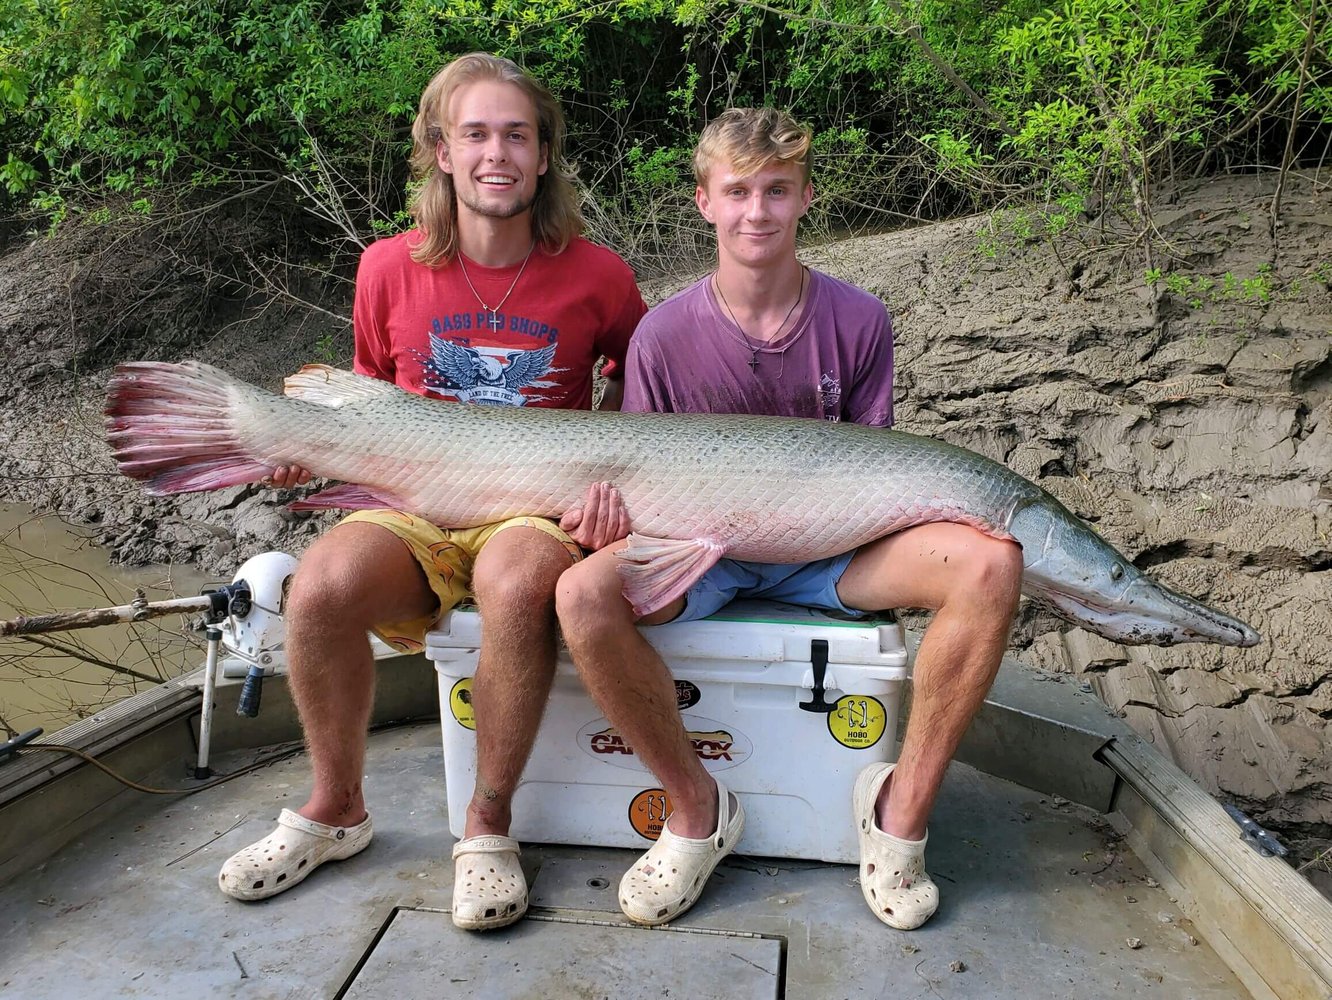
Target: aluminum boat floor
[(1040, 899)]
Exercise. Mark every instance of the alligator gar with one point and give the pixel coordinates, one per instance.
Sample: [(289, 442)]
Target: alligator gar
[(696, 486)]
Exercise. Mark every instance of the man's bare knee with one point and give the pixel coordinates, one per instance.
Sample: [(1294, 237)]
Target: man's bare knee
[(515, 594), (995, 575), (352, 578), (324, 589), (588, 598), (512, 587), (517, 570)]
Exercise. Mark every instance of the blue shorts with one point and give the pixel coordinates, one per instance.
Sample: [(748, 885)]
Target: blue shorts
[(811, 585)]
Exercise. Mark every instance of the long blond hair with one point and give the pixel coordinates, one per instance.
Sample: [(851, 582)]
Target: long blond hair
[(556, 218)]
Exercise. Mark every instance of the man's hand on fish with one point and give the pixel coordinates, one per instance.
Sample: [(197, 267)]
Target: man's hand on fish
[(601, 520), (286, 477)]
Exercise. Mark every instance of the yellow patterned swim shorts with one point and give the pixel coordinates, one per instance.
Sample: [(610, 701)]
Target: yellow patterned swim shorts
[(446, 556)]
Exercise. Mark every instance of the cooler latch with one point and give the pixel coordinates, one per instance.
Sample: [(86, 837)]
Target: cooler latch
[(818, 658)]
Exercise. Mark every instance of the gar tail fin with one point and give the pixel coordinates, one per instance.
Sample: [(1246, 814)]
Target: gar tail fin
[(172, 426), (655, 571)]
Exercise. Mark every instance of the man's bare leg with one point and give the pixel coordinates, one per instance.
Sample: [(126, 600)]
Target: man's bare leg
[(355, 576), (630, 683), (973, 581), (514, 582)]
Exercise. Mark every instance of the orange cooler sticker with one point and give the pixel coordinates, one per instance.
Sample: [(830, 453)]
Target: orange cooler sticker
[(858, 721), (648, 812), (460, 703)]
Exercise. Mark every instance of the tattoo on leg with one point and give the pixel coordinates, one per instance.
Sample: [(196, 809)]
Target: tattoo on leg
[(484, 791)]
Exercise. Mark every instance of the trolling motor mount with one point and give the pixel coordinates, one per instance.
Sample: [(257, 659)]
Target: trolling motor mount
[(252, 629)]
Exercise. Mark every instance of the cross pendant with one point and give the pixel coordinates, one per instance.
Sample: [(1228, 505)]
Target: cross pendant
[(753, 362), (494, 321)]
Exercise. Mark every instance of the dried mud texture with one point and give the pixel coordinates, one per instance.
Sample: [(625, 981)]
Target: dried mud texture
[(1193, 427), (71, 308)]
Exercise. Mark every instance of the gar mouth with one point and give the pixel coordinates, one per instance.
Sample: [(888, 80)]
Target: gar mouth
[(1147, 627)]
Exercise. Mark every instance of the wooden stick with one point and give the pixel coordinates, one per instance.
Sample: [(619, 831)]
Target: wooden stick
[(139, 610)]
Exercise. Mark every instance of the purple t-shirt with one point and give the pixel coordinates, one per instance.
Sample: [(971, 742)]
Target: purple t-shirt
[(688, 356)]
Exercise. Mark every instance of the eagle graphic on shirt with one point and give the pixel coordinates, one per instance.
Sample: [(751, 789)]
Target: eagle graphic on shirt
[(494, 376)]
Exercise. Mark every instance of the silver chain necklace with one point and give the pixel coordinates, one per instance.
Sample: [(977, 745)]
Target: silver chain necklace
[(493, 320), (746, 340)]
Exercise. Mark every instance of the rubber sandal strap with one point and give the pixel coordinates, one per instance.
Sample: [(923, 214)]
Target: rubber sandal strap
[(723, 816), (295, 821), (486, 844)]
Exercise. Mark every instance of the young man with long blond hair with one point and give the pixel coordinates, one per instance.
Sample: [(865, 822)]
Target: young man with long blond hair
[(765, 334), (493, 298)]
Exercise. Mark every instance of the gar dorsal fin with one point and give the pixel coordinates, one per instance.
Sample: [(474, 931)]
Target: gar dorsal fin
[(329, 386)]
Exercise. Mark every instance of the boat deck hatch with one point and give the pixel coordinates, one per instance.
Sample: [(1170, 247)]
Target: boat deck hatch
[(420, 954)]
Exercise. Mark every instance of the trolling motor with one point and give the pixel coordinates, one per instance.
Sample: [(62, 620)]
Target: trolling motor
[(245, 617), (251, 626)]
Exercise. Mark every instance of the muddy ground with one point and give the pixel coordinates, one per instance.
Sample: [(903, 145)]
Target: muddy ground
[(1191, 421)]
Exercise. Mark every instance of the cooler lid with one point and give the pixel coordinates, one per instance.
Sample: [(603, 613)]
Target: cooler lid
[(746, 631)]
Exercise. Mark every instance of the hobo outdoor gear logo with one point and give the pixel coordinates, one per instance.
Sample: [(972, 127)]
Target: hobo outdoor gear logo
[(858, 721), (460, 704), (648, 812), (717, 746), (687, 695)]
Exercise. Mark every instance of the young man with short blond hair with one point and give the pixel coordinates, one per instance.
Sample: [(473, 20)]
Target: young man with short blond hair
[(765, 334)]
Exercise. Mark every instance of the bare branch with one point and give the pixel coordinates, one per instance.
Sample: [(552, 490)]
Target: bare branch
[(85, 656), (986, 108), (1294, 114)]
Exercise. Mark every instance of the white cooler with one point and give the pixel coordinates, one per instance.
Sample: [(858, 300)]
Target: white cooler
[(740, 679)]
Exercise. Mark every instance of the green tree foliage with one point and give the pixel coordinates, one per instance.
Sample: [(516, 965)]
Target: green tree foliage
[(921, 107)]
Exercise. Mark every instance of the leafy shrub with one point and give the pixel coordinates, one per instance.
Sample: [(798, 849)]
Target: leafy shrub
[(922, 108)]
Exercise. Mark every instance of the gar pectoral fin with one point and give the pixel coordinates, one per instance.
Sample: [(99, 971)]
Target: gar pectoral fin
[(348, 496), (655, 571)]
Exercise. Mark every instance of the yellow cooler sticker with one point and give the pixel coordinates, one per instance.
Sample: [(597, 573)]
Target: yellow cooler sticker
[(648, 812), (460, 703), (858, 721)]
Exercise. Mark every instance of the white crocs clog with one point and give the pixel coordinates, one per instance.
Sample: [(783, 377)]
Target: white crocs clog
[(489, 888), (668, 879), (287, 855), (893, 879)]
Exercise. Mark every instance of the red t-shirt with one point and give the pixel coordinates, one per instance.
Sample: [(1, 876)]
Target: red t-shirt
[(427, 331)]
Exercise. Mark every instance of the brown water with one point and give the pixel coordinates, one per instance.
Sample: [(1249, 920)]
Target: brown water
[(61, 677)]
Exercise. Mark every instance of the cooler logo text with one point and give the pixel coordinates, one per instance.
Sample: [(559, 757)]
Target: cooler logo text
[(717, 747)]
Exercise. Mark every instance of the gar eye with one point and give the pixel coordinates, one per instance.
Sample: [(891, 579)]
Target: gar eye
[(1116, 571)]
